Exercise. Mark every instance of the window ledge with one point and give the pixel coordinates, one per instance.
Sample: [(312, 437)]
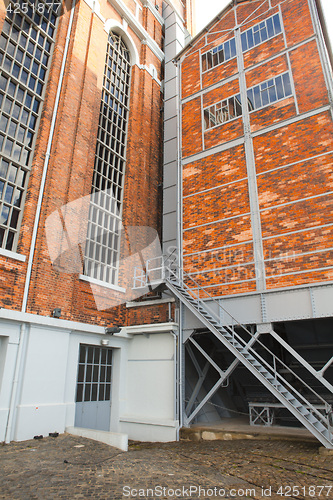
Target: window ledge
[(93, 281), (12, 255)]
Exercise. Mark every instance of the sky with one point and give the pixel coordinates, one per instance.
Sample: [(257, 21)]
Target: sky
[(207, 9)]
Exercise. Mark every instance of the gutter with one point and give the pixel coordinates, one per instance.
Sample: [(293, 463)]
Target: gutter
[(179, 243)]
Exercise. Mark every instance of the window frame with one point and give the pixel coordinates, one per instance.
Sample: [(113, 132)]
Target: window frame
[(264, 86), (103, 243), (27, 121), (224, 103), (265, 21), (215, 53)]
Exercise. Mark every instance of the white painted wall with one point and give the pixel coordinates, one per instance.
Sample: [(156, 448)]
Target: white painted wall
[(45, 399), (149, 413), (9, 334), (143, 381)]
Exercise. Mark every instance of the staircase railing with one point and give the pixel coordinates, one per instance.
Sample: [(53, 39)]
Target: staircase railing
[(163, 268)]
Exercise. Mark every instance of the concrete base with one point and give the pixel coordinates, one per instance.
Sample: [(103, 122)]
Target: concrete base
[(325, 451), (145, 429), (229, 429), (111, 438)]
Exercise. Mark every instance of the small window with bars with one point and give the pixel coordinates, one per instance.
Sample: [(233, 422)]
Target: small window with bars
[(261, 32), (26, 43), (103, 236), (218, 55), (94, 374), (222, 112), (269, 92)]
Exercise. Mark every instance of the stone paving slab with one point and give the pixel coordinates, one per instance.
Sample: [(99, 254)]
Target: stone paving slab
[(74, 467)]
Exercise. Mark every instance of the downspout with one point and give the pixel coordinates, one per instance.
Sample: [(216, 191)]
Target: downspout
[(18, 372), (176, 381), (179, 242), (46, 164)]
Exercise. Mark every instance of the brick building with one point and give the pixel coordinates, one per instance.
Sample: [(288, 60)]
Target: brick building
[(246, 218), (250, 216), (81, 95)]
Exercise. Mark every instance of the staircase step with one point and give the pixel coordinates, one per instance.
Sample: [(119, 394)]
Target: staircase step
[(250, 358), (320, 427), (260, 369), (311, 418), (304, 411)]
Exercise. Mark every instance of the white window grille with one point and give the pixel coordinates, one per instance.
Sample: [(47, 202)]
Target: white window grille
[(261, 32), (219, 55), (103, 235), (222, 112), (26, 44), (269, 92)]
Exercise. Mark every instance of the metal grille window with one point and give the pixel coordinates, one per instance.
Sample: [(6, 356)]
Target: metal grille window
[(269, 92), (102, 246), (218, 55), (94, 374), (25, 53), (222, 112), (261, 32)]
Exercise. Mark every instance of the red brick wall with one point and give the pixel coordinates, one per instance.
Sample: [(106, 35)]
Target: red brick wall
[(294, 184), (191, 74), (216, 169), (227, 90), (219, 73), (310, 85), (191, 126), (70, 171)]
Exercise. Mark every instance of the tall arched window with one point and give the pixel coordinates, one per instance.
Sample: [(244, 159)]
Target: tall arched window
[(103, 236), (26, 42)]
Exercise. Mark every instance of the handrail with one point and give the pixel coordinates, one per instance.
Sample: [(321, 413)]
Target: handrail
[(174, 271), (262, 360), (231, 329)]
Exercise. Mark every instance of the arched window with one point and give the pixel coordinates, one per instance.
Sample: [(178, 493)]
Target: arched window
[(25, 55), (103, 236)]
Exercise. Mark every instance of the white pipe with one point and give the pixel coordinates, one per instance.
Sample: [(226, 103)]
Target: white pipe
[(15, 385), (175, 375), (46, 164), (179, 242)]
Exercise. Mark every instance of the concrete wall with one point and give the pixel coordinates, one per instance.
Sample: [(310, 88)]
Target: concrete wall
[(150, 410), (44, 388)]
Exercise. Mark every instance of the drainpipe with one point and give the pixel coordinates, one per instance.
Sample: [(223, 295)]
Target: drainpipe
[(16, 383), (175, 375), (46, 164), (18, 373), (179, 243)]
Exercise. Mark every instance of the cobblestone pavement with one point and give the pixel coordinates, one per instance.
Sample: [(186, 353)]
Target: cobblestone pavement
[(73, 467)]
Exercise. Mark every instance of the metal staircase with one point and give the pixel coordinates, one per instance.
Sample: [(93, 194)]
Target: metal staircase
[(267, 371)]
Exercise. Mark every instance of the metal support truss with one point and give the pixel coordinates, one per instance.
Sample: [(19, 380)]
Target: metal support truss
[(224, 375)]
